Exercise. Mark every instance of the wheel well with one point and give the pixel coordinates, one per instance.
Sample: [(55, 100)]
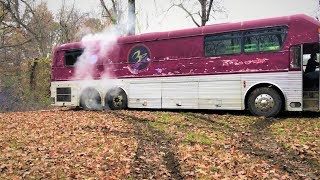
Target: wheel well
[(117, 89), (264, 85)]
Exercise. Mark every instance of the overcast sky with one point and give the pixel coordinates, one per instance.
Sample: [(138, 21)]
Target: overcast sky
[(237, 10)]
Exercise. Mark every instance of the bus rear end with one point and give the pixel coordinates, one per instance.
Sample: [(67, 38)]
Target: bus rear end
[(63, 88)]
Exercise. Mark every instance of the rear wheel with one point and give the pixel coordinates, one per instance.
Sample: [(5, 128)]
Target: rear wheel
[(265, 101), (117, 99), (90, 100)]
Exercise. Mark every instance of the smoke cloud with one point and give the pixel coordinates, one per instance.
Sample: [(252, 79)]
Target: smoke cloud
[(96, 47)]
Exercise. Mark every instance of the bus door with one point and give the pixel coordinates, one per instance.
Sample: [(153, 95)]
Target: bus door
[(310, 62)]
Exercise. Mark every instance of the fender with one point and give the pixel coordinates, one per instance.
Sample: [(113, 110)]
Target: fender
[(264, 84)]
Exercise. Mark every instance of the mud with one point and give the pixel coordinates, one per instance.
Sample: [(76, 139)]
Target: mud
[(155, 156)]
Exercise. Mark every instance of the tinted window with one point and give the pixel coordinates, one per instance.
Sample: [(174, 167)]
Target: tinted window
[(251, 44), (270, 39), (295, 56), (71, 56), (221, 44)]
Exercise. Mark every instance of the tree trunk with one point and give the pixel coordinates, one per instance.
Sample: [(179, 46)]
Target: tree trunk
[(32, 74), (131, 17), (203, 12)]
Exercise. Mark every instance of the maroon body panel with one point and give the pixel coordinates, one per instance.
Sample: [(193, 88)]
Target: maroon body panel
[(181, 53)]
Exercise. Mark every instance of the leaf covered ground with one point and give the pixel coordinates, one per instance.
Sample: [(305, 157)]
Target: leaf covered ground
[(64, 144)]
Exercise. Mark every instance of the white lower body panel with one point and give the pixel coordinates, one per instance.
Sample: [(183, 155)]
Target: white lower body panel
[(225, 92)]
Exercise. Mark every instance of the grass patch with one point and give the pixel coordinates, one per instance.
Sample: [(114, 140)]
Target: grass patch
[(158, 126), (165, 118), (301, 135), (61, 174), (15, 145), (193, 137), (304, 138), (301, 130)]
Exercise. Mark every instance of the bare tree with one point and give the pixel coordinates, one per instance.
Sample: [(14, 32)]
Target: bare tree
[(201, 15), (30, 20), (8, 27), (70, 21), (113, 13), (28, 32)]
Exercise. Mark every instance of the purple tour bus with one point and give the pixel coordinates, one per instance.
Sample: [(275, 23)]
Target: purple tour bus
[(253, 65)]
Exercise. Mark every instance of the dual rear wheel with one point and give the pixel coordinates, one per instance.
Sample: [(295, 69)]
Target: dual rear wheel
[(115, 99)]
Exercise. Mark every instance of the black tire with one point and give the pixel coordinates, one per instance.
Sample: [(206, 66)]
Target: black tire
[(116, 99), (90, 100), (264, 101)]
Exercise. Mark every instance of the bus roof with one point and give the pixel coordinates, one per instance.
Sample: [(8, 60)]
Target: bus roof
[(219, 28), (211, 29)]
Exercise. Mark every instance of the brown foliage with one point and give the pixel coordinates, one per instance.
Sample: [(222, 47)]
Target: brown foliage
[(28, 34)]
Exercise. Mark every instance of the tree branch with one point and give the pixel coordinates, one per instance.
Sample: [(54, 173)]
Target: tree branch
[(18, 20), (189, 13), (209, 10), (104, 6), (15, 45), (114, 7)]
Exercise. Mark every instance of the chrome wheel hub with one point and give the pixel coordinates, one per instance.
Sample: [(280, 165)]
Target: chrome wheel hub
[(264, 102), (117, 101)]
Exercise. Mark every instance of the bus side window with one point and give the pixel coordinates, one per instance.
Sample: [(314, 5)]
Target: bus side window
[(222, 44), (251, 44), (295, 57), (270, 43), (270, 39), (71, 56)]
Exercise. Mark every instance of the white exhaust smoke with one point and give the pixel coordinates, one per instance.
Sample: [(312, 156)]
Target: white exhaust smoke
[(96, 48), (95, 51)]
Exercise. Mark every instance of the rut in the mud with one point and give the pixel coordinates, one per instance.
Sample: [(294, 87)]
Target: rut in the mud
[(155, 156), (262, 143)]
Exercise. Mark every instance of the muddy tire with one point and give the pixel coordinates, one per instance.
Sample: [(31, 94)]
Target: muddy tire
[(116, 99), (90, 100), (265, 101)]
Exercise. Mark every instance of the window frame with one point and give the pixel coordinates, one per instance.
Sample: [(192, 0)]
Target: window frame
[(223, 38), (292, 61), (69, 51), (242, 36), (285, 32)]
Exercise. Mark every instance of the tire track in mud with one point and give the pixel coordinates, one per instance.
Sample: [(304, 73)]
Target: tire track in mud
[(155, 156), (261, 143)]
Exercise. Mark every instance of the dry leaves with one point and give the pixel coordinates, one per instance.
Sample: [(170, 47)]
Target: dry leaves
[(143, 144)]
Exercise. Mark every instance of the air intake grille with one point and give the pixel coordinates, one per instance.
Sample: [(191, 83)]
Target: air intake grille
[(63, 94)]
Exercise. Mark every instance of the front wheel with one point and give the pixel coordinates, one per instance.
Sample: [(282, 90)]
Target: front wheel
[(264, 102)]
